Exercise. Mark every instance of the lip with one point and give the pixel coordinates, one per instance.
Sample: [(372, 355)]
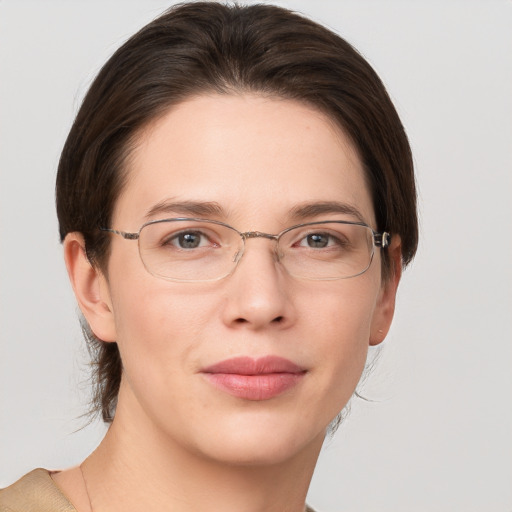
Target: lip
[(254, 379)]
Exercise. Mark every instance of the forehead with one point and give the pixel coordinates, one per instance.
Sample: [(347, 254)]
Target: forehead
[(257, 157)]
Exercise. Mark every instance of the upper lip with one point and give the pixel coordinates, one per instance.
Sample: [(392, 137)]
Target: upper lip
[(251, 366)]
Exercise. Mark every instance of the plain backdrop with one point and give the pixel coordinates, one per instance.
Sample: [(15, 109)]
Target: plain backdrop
[(436, 435)]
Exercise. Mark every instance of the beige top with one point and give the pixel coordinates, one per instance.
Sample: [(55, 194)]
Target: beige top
[(37, 492)]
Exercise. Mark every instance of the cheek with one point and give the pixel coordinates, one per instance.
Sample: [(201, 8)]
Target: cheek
[(338, 341), (340, 315), (158, 335), (164, 330), (157, 325), (149, 311)]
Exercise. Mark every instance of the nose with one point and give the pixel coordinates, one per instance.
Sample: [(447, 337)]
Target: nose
[(259, 292)]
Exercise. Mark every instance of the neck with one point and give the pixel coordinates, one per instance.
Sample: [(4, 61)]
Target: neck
[(138, 467)]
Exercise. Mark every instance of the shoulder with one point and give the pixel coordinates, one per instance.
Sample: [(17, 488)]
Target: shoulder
[(35, 492)]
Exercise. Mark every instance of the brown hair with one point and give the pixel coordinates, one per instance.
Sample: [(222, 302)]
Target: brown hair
[(210, 47)]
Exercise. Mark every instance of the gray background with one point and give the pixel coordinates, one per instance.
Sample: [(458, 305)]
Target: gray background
[(437, 436)]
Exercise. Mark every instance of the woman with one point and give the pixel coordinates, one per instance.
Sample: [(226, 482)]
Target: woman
[(236, 201)]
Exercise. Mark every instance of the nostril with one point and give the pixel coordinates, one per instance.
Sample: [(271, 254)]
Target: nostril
[(278, 319)]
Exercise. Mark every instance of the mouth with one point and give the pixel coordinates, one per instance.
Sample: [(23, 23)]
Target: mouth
[(254, 379)]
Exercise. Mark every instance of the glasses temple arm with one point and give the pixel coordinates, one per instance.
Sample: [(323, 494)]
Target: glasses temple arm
[(126, 236)]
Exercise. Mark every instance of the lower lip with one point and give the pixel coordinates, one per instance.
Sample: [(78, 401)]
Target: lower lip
[(254, 387)]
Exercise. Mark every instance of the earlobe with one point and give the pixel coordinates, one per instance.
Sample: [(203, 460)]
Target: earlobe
[(385, 307), (90, 287)]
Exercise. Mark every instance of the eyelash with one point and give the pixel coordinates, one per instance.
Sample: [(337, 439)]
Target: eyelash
[(175, 237)]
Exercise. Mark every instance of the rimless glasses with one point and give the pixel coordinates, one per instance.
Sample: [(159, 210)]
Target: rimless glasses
[(198, 250)]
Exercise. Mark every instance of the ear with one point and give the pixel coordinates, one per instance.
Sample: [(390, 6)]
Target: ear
[(91, 288), (385, 307)]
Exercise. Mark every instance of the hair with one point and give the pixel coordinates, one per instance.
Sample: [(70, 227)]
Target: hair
[(207, 47)]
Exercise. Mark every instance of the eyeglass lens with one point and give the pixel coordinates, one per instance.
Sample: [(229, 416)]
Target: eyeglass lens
[(191, 250)]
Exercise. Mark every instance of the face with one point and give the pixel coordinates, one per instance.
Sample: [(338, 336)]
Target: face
[(185, 346)]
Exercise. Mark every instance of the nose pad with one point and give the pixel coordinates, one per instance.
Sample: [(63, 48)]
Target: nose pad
[(239, 247), (278, 252), (237, 257)]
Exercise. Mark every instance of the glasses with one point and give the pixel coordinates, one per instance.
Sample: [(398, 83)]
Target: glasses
[(197, 250)]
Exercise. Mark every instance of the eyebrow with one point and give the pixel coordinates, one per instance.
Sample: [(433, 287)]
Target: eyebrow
[(213, 209), (308, 210), (194, 208)]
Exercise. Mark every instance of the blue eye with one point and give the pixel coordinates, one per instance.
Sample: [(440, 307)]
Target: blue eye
[(187, 240), (317, 240), (320, 241)]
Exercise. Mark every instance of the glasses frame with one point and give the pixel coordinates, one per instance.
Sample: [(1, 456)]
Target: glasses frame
[(380, 240)]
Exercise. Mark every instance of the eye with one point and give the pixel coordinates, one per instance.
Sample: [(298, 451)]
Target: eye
[(317, 240), (187, 240), (320, 241)]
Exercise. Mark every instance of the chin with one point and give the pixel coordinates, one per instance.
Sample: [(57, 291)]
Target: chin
[(260, 442)]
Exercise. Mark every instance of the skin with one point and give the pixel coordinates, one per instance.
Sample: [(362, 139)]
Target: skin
[(177, 443)]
